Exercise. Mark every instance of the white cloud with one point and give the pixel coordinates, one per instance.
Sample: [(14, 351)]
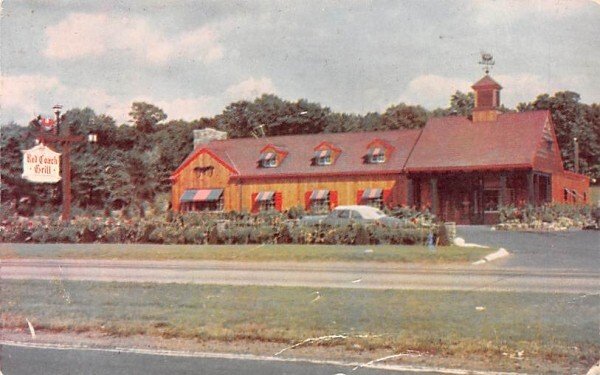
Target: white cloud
[(522, 88), (23, 95), (250, 88), (78, 35), (526, 87), (82, 35), (433, 91), (506, 11), (22, 91)]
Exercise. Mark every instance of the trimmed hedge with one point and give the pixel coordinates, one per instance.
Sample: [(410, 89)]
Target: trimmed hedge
[(197, 228)]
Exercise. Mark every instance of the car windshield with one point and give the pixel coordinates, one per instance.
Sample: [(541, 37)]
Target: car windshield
[(373, 214), (343, 214)]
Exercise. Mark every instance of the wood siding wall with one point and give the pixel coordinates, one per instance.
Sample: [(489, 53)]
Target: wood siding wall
[(238, 193), (573, 182), (189, 178), (487, 115), (293, 190)]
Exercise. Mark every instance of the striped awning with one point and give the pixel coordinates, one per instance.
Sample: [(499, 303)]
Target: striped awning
[(265, 196), (376, 151), (201, 195), (322, 153), (372, 193), (319, 194), (267, 156)]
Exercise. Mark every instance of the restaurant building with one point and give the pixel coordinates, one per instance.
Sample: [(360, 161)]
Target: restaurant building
[(462, 169)]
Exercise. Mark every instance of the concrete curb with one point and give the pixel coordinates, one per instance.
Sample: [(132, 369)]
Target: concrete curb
[(501, 253)]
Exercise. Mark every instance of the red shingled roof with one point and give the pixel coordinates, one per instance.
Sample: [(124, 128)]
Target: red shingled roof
[(456, 143), (242, 154), (486, 81)]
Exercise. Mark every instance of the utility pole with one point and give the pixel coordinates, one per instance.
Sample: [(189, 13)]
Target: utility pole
[(576, 159), (64, 139)]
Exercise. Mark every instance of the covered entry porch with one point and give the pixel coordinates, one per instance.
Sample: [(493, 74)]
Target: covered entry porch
[(476, 197)]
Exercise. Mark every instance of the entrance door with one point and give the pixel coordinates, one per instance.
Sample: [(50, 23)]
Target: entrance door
[(455, 204), (460, 200)]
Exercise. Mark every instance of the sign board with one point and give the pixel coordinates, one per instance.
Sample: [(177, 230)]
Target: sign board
[(41, 164)]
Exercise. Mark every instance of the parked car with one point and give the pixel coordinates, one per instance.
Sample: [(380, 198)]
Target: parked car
[(344, 215)]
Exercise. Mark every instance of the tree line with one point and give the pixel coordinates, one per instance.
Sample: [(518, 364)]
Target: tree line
[(131, 163)]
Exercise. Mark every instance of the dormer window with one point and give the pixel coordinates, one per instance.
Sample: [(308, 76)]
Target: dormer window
[(271, 156), (268, 160), (376, 155), (323, 157), (325, 154), (378, 151)]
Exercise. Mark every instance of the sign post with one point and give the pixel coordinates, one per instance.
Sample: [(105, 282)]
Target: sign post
[(65, 139)]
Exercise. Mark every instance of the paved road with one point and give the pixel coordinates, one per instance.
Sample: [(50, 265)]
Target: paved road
[(337, 275), (573, 250), (16, 360)]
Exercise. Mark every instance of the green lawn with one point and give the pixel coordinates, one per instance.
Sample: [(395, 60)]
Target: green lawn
[(300, 253), (545, 326)]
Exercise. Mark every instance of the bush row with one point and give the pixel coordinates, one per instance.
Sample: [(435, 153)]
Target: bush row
[(550, 216), (195, 228)]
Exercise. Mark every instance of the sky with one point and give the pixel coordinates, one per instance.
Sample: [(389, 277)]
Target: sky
[(193, 58)]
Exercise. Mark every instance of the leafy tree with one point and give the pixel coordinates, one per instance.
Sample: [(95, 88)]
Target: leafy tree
[(142, 184), (117, 180), (269, 115), (146, 116), (342, 122), (301, 117), (371, 121), (573, 119), (87, 186), (172, 142), (12, 141), (440, 112), (462, 104), (403, 116), (235, 120)]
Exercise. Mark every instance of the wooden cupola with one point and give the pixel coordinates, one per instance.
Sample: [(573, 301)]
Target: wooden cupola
[(487, 100)]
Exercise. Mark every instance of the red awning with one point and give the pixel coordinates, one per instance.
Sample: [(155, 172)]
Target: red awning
[(372, 193), (201, 195), (265, 196), (319, 194)]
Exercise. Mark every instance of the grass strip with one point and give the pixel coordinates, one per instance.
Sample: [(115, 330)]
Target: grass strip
[(296, 253), (558, 328)]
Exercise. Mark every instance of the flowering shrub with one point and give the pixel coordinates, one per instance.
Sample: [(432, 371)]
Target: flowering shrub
[(413, 217), (546, 217), (199, 228)]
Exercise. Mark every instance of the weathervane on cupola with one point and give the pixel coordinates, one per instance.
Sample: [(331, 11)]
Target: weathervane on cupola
[(487, 60)]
